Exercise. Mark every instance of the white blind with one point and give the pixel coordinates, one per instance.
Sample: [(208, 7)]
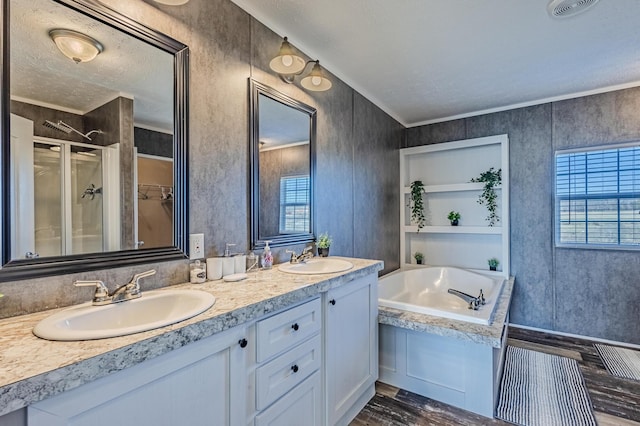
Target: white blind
[(598, 197), (294, 204)]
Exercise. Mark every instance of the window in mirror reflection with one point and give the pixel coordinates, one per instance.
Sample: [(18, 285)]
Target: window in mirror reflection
[(294, 204)]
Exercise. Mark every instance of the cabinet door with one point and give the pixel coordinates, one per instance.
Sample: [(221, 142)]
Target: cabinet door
[(200, 384), (351, 344)]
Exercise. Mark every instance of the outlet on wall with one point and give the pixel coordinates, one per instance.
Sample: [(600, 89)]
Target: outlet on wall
[(196, 246)]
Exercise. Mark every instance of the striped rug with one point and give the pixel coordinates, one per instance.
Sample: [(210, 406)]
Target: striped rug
[(621, 362), (539, 389)]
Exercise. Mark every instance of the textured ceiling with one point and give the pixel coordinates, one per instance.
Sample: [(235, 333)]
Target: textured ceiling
[(428, 60), (127, 67)]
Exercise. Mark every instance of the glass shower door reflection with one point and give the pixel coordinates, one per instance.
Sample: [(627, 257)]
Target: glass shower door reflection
[(49, 232), (86, 201), (68, 189)]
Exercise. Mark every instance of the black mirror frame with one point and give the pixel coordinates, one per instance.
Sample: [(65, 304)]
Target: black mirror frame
[(255, 90), (32, 268)]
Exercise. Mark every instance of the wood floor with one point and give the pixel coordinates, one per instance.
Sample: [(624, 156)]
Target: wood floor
[(616, 401)]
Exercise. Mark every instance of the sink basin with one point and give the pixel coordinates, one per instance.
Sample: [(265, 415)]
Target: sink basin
[(317, 265), (153, 310)]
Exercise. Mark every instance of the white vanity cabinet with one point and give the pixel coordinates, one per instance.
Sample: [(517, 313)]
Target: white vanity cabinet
[(351, 348), (203, 383)]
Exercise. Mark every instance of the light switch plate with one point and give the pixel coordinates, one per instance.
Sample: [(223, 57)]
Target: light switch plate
[(196, 246)]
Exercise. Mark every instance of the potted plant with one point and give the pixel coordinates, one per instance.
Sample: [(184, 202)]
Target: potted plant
[(493, 264), (419, 257), (454, 217), (323, 244), (416, 204), (491, 178)]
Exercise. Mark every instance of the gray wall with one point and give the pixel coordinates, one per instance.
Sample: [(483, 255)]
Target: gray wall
[(588, 292), (357, 160)]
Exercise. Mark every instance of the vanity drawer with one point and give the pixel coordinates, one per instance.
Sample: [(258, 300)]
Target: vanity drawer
[(277, 377), (287, 329)]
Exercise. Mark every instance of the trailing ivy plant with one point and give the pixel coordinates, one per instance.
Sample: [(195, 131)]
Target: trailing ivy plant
[(491, 178), (416, 204)]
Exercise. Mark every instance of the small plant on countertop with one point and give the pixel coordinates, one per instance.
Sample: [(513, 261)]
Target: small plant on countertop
[(454, 217), (416, 204), (491, 178), (493, 264), (323, 244), (324, 240), (419, 257)]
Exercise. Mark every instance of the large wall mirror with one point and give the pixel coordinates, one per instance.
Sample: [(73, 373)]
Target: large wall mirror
[(282, 167), (94, 149)]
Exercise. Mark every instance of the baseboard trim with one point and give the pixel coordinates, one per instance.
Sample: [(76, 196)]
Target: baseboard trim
[(579, 336)]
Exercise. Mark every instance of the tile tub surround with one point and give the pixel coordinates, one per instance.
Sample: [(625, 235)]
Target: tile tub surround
[(462, 330), (32, 369)]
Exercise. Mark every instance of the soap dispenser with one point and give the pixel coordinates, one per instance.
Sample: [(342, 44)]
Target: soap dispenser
[(267, 256)]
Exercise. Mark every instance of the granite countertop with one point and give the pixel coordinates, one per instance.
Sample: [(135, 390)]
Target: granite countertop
[(32, 369), (478, 333)]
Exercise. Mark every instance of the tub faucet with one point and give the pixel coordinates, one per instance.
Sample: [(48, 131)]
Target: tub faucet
[(306, 254), (128, 291), (473, 302)]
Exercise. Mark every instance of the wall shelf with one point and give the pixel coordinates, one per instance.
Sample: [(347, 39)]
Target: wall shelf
[(446, 170), (489, 230)]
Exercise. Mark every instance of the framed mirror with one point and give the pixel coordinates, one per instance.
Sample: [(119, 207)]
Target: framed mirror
[(94, 149), (282, 148)]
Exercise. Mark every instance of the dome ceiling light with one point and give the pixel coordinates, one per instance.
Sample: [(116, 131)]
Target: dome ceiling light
[(76, 46)]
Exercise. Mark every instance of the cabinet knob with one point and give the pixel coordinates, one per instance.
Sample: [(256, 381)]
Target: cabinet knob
[(242, 343), (294, 368), (332, 301), (295, 327)]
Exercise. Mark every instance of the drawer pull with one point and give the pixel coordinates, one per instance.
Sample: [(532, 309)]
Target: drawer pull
[(242, 343), (333, 302), (295, 327), (294, 368)]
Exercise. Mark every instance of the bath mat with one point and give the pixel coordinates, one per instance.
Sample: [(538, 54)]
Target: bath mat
[(539, 389), (620, 362)]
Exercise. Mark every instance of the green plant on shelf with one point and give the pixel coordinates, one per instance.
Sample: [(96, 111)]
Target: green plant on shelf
[(419, 257), (493, 263), (417, 204), (491, 179), (454, 217)]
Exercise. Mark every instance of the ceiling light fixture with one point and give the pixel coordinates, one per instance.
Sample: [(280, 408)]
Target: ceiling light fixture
[(288, 65), (76, 46), (567, 8), (172, 2)]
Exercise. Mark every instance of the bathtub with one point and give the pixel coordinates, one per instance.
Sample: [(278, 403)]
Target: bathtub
[(424, 290)]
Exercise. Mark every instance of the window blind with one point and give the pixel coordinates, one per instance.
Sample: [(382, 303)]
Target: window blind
[(294, 204), (598, 197)]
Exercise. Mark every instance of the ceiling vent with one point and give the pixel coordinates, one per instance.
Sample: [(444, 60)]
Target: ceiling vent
[(567, 8)]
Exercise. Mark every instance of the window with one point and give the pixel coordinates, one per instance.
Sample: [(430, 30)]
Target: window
[(294, 204), (598, 198)]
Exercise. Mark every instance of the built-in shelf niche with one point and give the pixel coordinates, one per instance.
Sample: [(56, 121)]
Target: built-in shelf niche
[(446, 170)]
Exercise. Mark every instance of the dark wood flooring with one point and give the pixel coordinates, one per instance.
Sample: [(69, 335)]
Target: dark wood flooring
[(616, 401)]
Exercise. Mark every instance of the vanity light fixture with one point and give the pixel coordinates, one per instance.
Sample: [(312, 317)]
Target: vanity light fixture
[(76, 46), (288, 65)]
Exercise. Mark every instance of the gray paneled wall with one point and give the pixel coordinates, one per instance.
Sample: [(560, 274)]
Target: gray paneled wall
[(357, 158), (588, 292)]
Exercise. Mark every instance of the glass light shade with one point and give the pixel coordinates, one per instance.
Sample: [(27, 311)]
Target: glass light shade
[(316, 81), (287, 61), (172, 2), (76, 46)]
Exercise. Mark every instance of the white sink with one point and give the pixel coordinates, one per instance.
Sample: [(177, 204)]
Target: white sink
[(317, 265), (153, 310)]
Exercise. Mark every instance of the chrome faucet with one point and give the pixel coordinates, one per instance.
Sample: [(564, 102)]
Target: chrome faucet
[(128, 291), (474, 302), (306, 254)]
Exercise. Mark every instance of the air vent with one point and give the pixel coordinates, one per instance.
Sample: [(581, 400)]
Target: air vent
[(566, 8)]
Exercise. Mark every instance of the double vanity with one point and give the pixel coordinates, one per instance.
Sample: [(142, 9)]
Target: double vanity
[(275, 348)]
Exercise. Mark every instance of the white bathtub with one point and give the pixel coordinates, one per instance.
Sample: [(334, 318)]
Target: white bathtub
[(424, 290)]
